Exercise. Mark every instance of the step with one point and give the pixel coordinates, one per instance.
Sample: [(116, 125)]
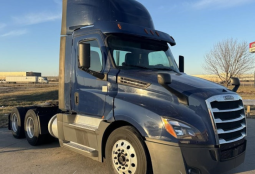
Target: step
[(84, 150)]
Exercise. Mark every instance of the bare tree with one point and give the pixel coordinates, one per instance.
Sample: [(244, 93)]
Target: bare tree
[(229, 59)]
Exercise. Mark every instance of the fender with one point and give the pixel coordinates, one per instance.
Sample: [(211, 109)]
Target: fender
[(149, 124), (131, 121)]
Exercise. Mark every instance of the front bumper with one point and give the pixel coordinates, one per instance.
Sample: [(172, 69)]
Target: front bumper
[(170, 158)]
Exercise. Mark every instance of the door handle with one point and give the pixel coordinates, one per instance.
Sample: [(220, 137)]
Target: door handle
[(76, 98)]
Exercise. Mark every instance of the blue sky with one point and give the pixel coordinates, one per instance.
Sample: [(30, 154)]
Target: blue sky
[(30, 30)]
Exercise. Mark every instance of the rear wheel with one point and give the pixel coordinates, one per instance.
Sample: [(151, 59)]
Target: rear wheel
[(17, 122), (32, 129), (126, 152)]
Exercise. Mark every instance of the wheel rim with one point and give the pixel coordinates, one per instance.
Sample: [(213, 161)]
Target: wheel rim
[(14, 122), (124, 157), (30, 127)]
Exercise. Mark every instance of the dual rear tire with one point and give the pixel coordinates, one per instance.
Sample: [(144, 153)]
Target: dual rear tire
[(26, 124), (31, 127), (17, 122)]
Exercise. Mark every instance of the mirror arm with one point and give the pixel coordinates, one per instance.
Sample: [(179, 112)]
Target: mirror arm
[(165, 80), (235, 88), (94, 73), (181, 97)]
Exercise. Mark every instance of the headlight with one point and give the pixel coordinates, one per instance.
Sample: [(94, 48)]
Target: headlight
[(182, 131)]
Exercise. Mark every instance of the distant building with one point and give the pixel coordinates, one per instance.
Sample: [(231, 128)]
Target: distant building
[(18, 74)]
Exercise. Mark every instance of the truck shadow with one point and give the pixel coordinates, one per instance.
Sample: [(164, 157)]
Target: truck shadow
[(10, 144), (18, 147)]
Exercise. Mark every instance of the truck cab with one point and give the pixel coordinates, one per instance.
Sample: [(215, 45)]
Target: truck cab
[(43, 80), (124, 100)]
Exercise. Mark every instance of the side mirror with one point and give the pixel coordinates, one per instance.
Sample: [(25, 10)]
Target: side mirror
[(235, 81), (164, 79), (181, 63), (84, 55)]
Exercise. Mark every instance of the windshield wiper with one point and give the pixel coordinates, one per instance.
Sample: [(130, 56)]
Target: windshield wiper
[(143, 67)]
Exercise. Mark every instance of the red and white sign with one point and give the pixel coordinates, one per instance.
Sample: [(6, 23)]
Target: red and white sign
[(252, 47)]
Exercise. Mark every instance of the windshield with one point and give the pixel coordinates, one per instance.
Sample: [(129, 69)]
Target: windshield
[(133, 52)]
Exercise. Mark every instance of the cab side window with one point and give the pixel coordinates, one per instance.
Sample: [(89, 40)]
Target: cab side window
[(95, 56)]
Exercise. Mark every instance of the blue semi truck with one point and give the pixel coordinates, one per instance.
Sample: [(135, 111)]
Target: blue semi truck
[(124, 101)]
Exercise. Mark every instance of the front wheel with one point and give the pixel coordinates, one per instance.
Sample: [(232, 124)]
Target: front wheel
[(126, 152)]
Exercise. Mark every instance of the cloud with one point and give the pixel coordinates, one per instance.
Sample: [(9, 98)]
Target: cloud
[(2, 25), (219, 3), (37, 18), (15, 33)]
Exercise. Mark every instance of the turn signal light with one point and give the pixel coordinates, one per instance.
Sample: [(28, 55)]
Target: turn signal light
[(169, 128)]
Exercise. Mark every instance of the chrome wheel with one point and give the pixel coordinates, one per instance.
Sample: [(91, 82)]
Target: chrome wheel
[(30, 127), (124, 157), (14, 122)]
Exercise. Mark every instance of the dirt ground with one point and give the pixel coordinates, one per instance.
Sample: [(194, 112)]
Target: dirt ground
[(12, 95), (246, 92)]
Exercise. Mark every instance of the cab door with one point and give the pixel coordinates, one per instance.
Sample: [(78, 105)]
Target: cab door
[(88, 90)]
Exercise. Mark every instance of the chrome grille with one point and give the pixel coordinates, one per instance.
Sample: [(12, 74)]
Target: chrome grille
[(133, 82), (228, 118)]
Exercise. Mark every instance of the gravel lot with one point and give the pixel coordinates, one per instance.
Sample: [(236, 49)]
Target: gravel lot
[(18, 157)]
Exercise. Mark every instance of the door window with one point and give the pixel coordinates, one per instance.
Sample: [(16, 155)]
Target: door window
[(95, 56)]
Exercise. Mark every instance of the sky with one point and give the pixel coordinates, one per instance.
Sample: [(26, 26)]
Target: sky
[(30, 30)]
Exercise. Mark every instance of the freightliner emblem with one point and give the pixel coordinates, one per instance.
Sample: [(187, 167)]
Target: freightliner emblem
[(228, 97)]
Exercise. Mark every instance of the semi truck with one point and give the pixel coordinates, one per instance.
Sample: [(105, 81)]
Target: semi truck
[(26, 79), (124, 101)]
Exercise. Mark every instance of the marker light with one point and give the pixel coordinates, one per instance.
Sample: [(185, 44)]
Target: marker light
[(119, 26), (157, 33), (152, 32), (182, 131), (146, 31)]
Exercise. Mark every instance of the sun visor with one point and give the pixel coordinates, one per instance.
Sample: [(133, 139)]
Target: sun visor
[(79, 13)]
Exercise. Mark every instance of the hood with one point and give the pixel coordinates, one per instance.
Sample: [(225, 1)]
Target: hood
[(164, 102), (194, 82), (182, 80)]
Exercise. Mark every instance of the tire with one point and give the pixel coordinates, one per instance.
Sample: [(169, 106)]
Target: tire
[(17, 122), (127, 153), (32, 129)]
